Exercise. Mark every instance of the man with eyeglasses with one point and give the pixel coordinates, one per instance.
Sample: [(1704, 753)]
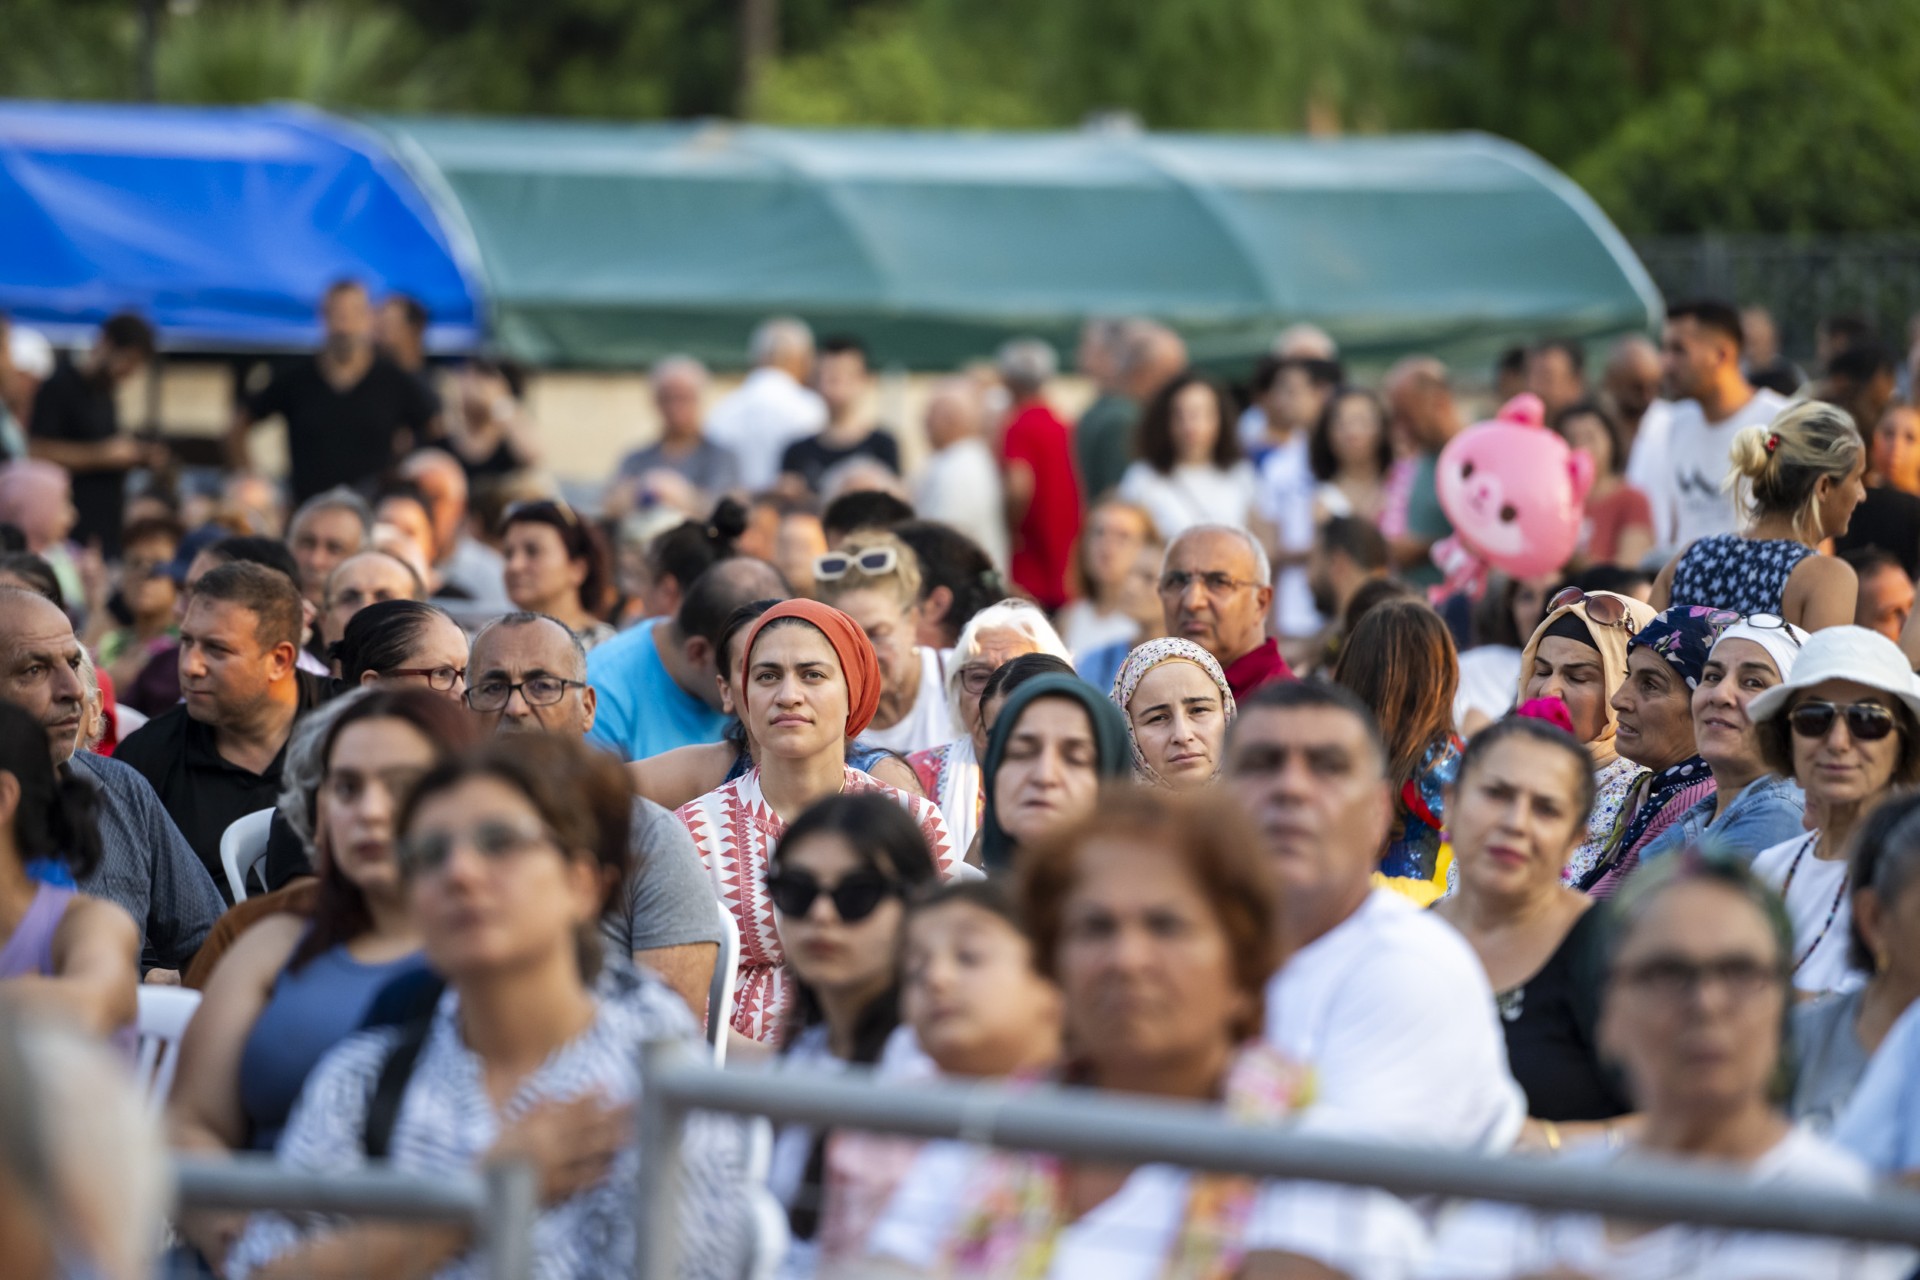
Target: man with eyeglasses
[(528, 674), (1216, 586)]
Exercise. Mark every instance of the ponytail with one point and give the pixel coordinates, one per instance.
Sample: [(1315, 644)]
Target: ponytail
[(689, 549), (58, 818), (1776, 468)]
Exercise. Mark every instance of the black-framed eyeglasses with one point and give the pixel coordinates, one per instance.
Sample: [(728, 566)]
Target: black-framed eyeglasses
[(874, 561), (427, 852), (1675, 979), (539, 691), (854, 898), (1866, 721), (1605, 609), (439, 679), (1175, 582), (974, 677)]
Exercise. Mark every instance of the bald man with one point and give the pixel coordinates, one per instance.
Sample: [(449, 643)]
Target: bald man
[(1420, 400)]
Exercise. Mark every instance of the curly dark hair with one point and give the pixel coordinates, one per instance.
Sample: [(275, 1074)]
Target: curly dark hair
[(1156, 424)]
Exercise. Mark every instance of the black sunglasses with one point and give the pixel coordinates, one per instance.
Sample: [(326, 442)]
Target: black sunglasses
[(854, 899), (1866, 721)]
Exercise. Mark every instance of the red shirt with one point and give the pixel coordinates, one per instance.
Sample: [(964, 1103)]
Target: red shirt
[(1043, 544), (1257, 667)]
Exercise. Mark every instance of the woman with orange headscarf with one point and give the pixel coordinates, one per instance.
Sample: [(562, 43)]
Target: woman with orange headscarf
[(812, 682)]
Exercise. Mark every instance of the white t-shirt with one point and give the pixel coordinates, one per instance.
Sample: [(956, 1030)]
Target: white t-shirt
[(1392, 1011), (1688, 502), (1084, 629), (1131, 1235), (929, 723), (1284, 499), (1648, 456), (1495, 1242), (756, 423), (960, 486), (1820, 904), (1489, 676), (1191, 495)]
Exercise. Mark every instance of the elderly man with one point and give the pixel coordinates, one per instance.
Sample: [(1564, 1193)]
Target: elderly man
[(960, 483), (529, 675), (658, 683), (361, 580), (773, 407), (145, 866), (1216, 588), (679, 392), (327, 529), (218, 756), (460, 560), (1388, 1003)]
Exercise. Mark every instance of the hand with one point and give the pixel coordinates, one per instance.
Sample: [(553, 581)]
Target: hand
[(162, 978), (213, 1234), (570, 1145)]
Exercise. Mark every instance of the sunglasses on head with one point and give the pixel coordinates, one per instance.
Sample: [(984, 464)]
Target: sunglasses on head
[(1603, 610), (854, 899), (838, 564), (1866, 721), (1770, 622), (537, 507)]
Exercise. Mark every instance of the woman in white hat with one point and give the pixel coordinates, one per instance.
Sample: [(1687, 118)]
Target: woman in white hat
[(1847, 727), (1751, 808)]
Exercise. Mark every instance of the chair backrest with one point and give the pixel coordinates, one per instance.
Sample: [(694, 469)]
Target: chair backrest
[(242, 845), (726, 973), (162, 1024)]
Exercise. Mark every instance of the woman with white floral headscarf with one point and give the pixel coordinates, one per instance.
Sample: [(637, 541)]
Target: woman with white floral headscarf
[(1178, 706)]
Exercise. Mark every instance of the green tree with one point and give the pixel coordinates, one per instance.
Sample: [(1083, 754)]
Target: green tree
[(260, 50)]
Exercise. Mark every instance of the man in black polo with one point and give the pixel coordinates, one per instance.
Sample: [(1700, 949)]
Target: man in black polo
[(351, 413), (76, 423), (217, 757)]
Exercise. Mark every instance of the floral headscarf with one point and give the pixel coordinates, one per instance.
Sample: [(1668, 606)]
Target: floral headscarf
[(1684, 635), (1145, 658)]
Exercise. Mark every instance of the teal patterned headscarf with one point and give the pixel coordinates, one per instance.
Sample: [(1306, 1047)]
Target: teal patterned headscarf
[(1109, 750)]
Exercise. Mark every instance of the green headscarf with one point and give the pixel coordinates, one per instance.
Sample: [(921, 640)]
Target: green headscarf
[(1111, 752)]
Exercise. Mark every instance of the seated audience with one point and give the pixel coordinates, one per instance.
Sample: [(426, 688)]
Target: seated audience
[(558, 564), (324, 531), (150, 597), (508, 856), (1177, 706), (362, 579), (1054, 740), (957, 580), (1886, 590), (1490, 667), (1104, 564), (675, 557), (874, 578), (1216, 587), (404, 642)]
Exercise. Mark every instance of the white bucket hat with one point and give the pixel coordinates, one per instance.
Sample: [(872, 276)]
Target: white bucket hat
[(1843, 653)]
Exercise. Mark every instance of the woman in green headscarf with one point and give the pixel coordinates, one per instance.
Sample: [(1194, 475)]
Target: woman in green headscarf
[(1053, 743)]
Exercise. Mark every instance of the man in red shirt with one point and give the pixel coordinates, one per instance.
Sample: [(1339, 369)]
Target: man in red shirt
[(1043, 491), (1216, 586)]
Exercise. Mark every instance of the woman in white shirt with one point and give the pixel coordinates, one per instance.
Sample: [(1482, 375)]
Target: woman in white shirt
[(1844, 728), (1108, 565), (1190, 471), (874, 578), (1695, 1012)]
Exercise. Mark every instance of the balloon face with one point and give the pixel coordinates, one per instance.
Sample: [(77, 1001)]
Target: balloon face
[(1513, 491)]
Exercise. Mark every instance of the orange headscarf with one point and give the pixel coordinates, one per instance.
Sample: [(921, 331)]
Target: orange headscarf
[(851, 645)]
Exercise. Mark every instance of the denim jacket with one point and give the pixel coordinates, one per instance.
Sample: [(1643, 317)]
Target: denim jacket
[(1768, 810)]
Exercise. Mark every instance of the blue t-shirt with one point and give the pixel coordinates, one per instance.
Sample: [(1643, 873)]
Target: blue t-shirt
[(641, 711), (1881, 1123)]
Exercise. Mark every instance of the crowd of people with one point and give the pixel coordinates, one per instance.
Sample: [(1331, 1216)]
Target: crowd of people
[(1143, 753)]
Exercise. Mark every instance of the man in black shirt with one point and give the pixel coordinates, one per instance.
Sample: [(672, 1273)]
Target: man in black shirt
[(845, 383), (218, 757), (76, 423), (350, 411)]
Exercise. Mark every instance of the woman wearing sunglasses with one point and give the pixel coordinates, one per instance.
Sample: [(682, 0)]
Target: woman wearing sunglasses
[(1845, 727), (403, 642), (838, 884), (874, 578), (1802, 475), (812, 683), (559, 565), (1578, 654)]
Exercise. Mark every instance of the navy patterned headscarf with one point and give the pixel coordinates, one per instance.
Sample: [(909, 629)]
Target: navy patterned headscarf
[(1684, 636)]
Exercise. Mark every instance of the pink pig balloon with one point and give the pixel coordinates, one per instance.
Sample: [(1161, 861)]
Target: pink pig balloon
[(1513, 490)]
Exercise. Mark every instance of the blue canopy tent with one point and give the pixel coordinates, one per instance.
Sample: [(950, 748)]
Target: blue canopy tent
[(223, 226)]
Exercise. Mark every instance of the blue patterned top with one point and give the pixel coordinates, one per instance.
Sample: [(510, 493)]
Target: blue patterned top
[(1746, 575)]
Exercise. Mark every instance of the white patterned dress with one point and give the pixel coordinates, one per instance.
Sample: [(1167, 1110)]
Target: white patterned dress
[(735, 830)]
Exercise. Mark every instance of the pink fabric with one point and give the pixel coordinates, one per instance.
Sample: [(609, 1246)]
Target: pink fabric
[(1552, 710)]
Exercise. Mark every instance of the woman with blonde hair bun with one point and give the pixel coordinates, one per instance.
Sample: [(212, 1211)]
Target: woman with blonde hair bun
[(1798, 480)]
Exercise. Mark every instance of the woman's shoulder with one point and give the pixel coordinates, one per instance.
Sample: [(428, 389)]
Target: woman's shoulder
[(704, 808)]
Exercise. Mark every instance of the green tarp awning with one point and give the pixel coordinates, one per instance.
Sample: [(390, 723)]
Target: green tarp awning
[(612, 244)]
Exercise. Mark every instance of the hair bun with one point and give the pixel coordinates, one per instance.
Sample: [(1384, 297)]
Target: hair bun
[(728, 521)]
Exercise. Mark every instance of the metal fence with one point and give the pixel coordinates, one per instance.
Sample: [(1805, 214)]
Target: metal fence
[(1090, 1126)]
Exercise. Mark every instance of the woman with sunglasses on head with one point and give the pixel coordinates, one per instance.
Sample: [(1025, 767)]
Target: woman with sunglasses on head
[(874, 578), (558, 564), (838, 883), (403, 642), (1054, 741), (508, 855), (1751, 807), (950, 774), (1799, 478), (1578, 655), (811, 683), (1695, 1011), (1845, 728)]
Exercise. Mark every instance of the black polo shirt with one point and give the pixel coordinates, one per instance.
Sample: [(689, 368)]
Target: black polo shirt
[(201, 791), (343, 437), (79, 408)]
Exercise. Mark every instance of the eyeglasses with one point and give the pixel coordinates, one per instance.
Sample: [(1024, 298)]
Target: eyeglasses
[(974, 678), (1866, 721), (539, 691), (439, 679), (1176, 581), (494, 841), (1605, 610), (854, 898), (1677, 980), (838, 564), (1769, 622)]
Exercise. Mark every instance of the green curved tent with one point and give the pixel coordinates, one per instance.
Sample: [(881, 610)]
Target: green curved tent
[(606, 244)]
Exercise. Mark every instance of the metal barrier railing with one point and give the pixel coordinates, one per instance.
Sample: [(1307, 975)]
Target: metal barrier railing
[(498, 1202), (1090, 1126)]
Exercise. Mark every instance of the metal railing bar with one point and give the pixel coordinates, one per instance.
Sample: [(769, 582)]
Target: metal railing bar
[(251, 1183)]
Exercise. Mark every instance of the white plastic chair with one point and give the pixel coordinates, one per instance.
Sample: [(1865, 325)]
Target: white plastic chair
[(161, 1023), (242, 846), (726, 973)]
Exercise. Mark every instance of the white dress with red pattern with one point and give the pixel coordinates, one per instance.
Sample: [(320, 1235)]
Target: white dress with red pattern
[(735, 830)]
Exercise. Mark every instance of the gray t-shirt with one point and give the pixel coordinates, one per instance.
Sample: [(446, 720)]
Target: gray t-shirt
[(709, 468), (669, 899), (1831, 1059)]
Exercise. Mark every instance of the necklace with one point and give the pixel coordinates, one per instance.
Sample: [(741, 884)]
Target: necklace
[(1839, 896)]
